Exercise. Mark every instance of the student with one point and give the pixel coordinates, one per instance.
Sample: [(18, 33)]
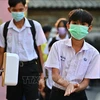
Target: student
[(45, 51), (62, 31), (44, 47), (20, 41), (73, 61)]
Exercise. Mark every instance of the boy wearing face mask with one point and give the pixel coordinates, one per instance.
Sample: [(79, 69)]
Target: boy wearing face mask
[(73, 61), (20, 41), (62, 33)]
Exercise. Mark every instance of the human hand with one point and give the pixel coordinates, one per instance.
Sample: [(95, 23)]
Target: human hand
[(71, 88), (41, 84)]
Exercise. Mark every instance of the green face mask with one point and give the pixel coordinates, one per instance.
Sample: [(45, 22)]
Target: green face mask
[(78, 31)]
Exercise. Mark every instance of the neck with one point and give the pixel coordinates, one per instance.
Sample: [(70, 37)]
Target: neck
[(62, 36), (77, 44), (20, 23)]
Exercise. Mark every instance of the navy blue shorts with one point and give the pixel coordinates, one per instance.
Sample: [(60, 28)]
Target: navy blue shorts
[(58, 94), (27, 83)]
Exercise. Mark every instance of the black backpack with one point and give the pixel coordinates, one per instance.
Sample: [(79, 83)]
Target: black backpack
[(33, 31)]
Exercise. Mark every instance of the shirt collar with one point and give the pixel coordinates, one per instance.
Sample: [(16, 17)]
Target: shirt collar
[(69, 43), (26, 24), (58, 38), (85, 46)]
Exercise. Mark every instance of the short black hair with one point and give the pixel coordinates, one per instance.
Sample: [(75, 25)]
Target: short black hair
[(81, 15), (13, 3), (47, 28)]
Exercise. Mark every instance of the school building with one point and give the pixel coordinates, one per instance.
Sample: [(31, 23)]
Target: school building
[(48, 11)]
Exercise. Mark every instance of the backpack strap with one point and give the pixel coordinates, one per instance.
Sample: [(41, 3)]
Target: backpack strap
[(5, 30), (52, 41), (35, 46)]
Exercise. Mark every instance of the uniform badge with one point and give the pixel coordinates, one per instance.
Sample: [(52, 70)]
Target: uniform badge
[(85, 59)]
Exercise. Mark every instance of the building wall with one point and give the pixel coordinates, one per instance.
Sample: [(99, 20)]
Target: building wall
[(49, 16), (4, 14)]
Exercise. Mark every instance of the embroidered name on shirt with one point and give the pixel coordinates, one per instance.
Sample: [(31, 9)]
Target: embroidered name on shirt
[(62, 58)]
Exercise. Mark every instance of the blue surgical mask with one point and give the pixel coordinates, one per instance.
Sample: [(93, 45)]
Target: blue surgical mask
[(78, 31), (17, 16)]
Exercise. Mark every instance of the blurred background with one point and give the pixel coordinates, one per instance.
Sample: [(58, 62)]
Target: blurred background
[(47, 12)]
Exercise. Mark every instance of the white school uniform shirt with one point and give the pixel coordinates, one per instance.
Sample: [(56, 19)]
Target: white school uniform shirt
[(49, 81), (20, 41), (74, 67)]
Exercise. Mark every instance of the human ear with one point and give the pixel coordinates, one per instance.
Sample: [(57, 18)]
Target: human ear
[(68, 25), (26, 7), (9, 9), (90, 28)]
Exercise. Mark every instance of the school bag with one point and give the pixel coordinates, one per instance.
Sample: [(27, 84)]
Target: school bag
[(52, 41), (33, 31)]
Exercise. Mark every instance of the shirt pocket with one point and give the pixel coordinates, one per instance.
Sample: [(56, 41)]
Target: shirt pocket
[(82, 67), (28, 42), (28, 39), (9, 38), (9, 41), (64, 67), (63, 61)]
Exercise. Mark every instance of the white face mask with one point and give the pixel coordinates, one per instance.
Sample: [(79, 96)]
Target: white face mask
[(17, 16), (62, 30)]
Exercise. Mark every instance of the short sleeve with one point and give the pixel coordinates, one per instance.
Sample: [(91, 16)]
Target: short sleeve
[(2, 44), (53, 58), (93, 71), (40, 37)]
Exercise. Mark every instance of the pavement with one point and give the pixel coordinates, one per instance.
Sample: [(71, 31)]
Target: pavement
[(93, 93), (2, 92)]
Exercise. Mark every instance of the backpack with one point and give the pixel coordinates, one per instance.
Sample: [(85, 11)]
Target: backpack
[(52, 41), (33, 31)]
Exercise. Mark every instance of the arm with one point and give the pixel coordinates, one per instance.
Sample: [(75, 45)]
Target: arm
[(41, 59), (41, 81), (58, 79), (76, 87), (1, 56), (83, 84)]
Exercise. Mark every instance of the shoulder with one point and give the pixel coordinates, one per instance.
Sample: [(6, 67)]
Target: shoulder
[(2, 27), (36, 23), (92, 49), (60, 43)]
